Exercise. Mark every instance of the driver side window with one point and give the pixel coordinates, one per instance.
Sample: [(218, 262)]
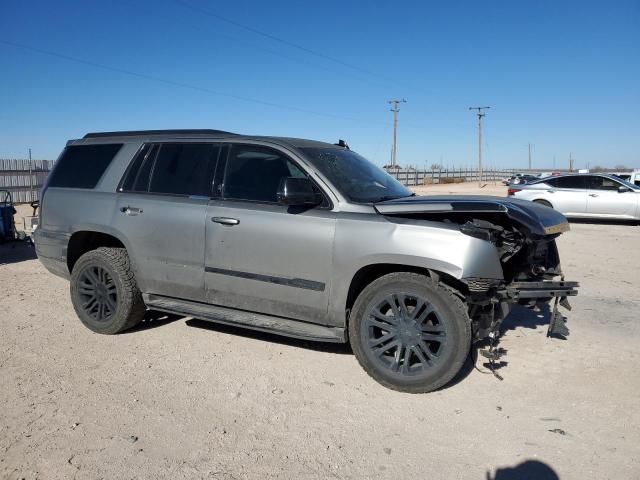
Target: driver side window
[(603, 183), (254, 173)]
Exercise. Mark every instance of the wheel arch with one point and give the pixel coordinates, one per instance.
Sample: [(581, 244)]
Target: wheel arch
[(543, 201), (87, 238), (369, 273)]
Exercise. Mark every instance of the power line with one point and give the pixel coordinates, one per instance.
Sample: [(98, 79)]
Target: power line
[(182, 84), (307, 63), (282, 40)]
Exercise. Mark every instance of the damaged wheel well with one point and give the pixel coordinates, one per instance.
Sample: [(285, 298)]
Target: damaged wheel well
[(368, 274), (85, 241)]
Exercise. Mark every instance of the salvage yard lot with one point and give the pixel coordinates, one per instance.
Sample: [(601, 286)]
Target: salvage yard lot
[(180, 398)]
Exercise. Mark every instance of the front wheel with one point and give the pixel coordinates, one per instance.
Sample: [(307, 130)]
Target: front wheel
[(409, 333)]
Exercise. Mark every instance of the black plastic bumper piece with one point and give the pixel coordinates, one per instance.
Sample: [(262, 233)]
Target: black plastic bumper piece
[(544, 289)]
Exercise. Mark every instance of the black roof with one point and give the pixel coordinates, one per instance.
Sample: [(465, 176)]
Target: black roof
[(136, 133), (288, 141)]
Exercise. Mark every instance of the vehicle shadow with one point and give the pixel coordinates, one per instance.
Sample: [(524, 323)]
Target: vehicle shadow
[(327, 347), (471, 363), (519, 317), (153, 319), (527, 470), (15, 252)]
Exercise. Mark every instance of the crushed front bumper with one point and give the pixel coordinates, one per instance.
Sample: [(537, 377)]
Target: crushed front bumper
[(544, 290), (491, 303)]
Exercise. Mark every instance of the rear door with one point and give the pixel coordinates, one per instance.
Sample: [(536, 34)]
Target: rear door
[(262, 256), (605, 199), (568, 194), (161, 210)]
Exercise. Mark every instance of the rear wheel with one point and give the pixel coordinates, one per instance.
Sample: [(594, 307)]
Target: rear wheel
[(409, 333), (104, 292), (543, 202)]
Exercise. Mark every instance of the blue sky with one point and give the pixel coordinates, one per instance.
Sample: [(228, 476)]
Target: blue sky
[(564, 76)]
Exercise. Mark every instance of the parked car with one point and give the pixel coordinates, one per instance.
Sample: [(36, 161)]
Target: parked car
[(631, 177), (585, 196), (524, 179), (294, 237)]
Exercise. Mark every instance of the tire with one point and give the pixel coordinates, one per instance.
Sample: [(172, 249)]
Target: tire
[(104, 292), (441, 335), (543, 202)]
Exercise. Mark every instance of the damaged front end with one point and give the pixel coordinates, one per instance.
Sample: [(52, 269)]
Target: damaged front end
[(523, 234), (532, 276)]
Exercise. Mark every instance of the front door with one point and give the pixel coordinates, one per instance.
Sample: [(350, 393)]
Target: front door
[(604, 199), (262, 256), (568, 194)]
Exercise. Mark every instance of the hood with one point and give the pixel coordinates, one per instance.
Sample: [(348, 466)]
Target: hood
[(540, 220)]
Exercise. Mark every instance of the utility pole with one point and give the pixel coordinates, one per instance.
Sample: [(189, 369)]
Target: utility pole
[(30, 177), (529, 158), (395, 111), (480, 115)]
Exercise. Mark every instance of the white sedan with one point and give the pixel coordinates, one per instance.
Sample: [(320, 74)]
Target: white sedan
[(584, 196)]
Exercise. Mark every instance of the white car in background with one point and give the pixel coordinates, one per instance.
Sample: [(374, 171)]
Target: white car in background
[(632, 177), (584, 196)]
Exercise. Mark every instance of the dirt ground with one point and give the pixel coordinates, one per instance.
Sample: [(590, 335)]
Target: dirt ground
[(180, 398)]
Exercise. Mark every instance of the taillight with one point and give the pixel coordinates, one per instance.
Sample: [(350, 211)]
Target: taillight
[(512, 191)]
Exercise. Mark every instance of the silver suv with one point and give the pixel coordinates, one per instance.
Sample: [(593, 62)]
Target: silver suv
[(295, 237)]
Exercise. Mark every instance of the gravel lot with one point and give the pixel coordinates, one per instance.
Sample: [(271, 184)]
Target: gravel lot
[(180, 398)]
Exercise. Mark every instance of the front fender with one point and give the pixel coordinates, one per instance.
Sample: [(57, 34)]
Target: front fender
[(422, 244)]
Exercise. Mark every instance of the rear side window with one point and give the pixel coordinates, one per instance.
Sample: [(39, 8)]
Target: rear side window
[(184, 169), (138, 176), (82, 166), (571, 182), (174, 169)]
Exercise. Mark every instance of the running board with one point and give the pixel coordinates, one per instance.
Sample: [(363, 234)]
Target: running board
[(241, 318)]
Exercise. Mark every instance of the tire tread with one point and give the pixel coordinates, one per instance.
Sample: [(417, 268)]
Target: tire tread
[(130, 298), (457, 305)]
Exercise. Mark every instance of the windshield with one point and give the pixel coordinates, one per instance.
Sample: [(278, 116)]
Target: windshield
[(356, 177)]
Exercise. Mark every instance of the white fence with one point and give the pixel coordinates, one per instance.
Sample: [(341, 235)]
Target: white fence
[(411, 176), (24, 178)]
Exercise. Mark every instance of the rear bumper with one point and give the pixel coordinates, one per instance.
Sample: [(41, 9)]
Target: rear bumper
[(51, 249)]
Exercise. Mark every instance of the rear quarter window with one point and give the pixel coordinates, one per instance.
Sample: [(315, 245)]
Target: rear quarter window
[(82, 166)]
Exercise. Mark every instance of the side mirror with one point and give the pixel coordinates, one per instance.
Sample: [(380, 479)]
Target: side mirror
[(623, 189), (298, 192)]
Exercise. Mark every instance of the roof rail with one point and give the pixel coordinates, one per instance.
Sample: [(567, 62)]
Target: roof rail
[(136, 133)]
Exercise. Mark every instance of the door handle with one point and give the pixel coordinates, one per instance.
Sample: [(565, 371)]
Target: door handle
[(551, 191), (225, 221), (593, 194), (130, 210)]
